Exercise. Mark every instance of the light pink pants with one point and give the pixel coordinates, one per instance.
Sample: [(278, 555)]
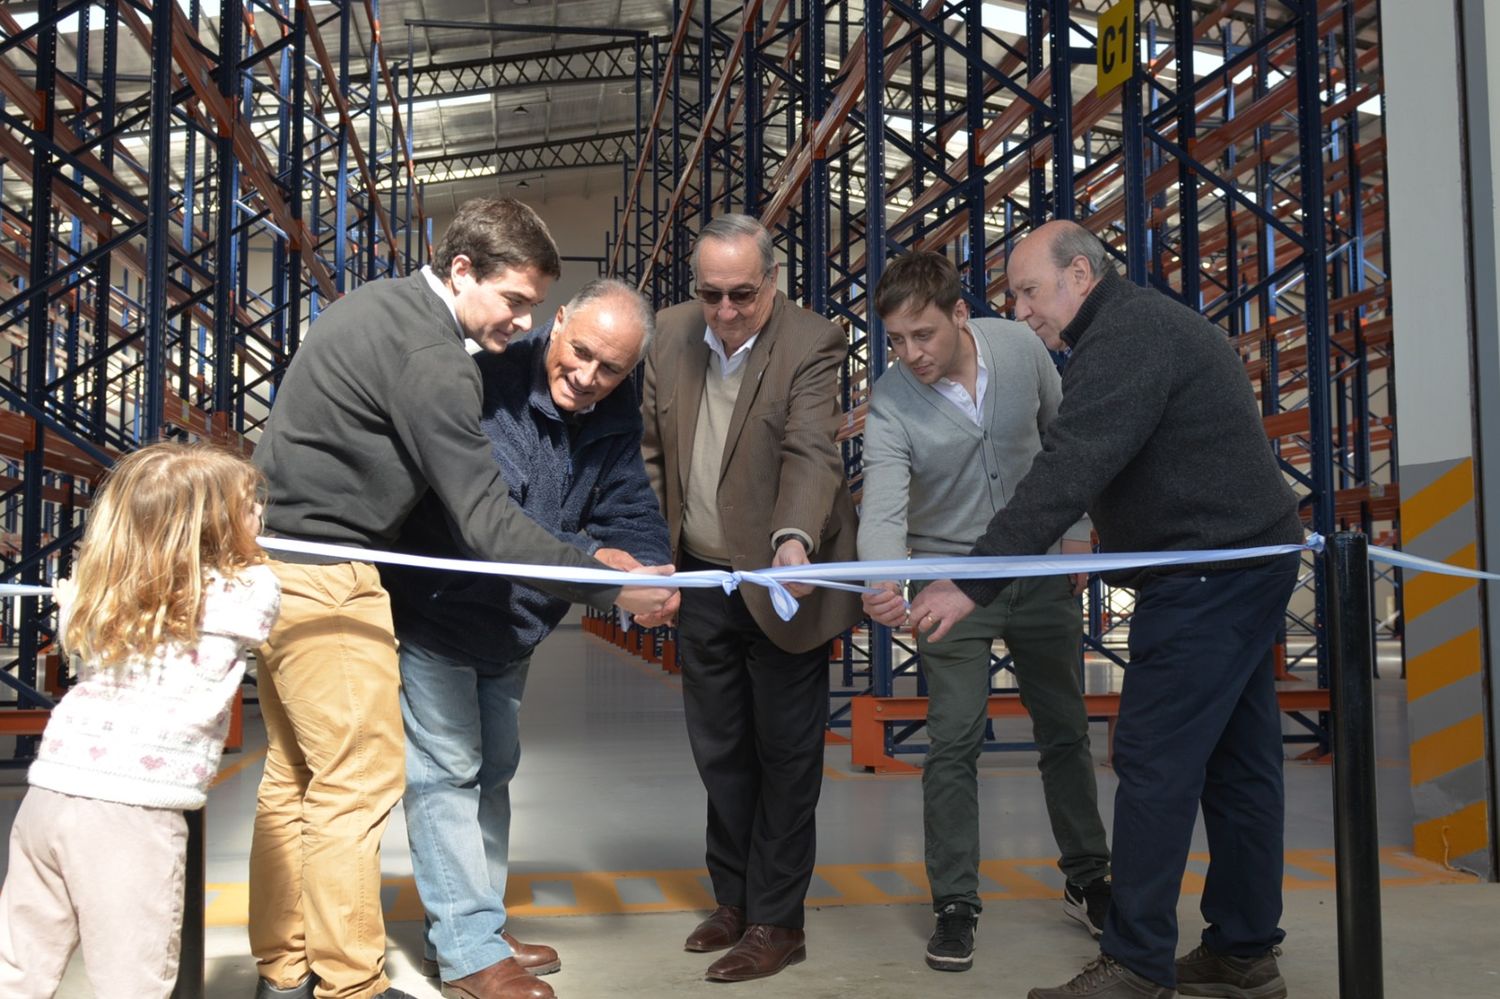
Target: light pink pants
[(107, 875)]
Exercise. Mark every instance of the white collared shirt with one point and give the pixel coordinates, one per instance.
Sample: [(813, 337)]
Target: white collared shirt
[(436, 284), (728, 363), (958, 395)]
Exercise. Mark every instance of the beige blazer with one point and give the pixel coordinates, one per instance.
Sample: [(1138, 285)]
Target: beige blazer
[(781, 467)]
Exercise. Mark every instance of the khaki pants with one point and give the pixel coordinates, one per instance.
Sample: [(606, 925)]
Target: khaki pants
[(328, 685), (104, 874)]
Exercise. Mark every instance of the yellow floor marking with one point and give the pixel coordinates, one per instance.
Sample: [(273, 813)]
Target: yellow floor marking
[(1319, 862), (1015, 882), (243, 762), (596, 892)]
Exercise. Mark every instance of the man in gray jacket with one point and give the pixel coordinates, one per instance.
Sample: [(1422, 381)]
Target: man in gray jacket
[(950, 431)]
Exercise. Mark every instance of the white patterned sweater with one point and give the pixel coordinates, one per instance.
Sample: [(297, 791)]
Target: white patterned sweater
[(150, 731)]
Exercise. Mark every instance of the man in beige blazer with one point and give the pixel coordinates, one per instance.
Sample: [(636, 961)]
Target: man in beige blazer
[(741, 404)]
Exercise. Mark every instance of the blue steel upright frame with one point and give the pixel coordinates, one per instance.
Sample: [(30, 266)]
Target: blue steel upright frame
[(127, 293), (1234, 170)]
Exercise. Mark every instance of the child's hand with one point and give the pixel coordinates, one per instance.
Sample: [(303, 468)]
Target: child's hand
[(63, 591)]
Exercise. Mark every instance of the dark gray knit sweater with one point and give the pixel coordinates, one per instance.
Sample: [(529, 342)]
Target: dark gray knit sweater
[(380, 402), (1159, 438)]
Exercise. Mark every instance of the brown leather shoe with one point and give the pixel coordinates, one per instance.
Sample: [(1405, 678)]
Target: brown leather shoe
[(506, 980), (762, 951), (722, 929), (539, 959)]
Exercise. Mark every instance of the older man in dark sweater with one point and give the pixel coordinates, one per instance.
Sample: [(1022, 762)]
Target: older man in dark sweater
[(1159, 438), (569, 446)]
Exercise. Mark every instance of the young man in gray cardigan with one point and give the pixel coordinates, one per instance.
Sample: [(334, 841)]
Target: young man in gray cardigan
[(950, 431)]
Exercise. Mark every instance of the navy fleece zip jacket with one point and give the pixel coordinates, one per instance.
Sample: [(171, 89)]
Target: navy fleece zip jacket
[(582, 480)]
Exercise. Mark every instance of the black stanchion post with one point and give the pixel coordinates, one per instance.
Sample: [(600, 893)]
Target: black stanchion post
[(190, 968), (1355, 830)]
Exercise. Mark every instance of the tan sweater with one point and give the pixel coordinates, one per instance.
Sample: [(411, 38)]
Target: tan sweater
[(702, 533)]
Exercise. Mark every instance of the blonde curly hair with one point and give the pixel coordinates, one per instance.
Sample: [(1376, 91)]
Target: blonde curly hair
[(165, 516)]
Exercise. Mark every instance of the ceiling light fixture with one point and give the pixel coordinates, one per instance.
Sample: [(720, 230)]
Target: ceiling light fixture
[(519, 109)]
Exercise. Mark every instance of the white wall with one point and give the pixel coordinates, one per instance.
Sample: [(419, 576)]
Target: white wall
[(1481, 29), (1440, 128), (1430, 295), (579, 215)]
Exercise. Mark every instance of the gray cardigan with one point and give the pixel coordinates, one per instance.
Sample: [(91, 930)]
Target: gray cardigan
[(933, 479)]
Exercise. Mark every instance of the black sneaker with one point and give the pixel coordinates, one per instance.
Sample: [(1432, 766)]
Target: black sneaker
[(1204, 973), (951, 947), (1089, 903)]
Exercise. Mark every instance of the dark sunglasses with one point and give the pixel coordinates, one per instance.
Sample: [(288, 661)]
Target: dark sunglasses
[(737, 296)]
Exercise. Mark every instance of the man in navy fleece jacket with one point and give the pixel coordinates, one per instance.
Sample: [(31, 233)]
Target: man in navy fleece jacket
[(569, 447)]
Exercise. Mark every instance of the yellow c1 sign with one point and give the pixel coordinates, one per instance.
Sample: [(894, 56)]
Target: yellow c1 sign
[(1116, 49)]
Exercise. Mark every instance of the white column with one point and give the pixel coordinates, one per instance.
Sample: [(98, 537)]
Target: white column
[(1439, 374)]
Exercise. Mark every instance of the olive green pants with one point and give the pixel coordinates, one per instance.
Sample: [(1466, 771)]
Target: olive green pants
[(1041, 624)]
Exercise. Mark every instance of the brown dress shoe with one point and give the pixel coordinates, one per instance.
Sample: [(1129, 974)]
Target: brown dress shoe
[(722, 929), (762, 951), (538, 959), (506, 980)]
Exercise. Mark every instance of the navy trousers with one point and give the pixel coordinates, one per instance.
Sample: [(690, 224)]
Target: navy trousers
[(1199, 724)]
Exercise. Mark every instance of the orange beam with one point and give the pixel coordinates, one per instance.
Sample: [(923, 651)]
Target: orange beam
[(23, 721), (868, 715)]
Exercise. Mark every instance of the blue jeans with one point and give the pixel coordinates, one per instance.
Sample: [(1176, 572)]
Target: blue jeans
[(463, 742)]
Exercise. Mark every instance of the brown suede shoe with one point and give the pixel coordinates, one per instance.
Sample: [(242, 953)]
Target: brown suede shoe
[(539, 959), (506, 980), (722, 929), (762, 951)]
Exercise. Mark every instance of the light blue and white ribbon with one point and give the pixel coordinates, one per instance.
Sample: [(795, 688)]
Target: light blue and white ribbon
[(850, 576), (23, 590)]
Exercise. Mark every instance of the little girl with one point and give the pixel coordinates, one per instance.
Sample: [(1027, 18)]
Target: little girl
[(170, 589)]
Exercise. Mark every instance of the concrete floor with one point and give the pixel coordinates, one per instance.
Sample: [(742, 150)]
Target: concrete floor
[(607, 848), (1439, 941)]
